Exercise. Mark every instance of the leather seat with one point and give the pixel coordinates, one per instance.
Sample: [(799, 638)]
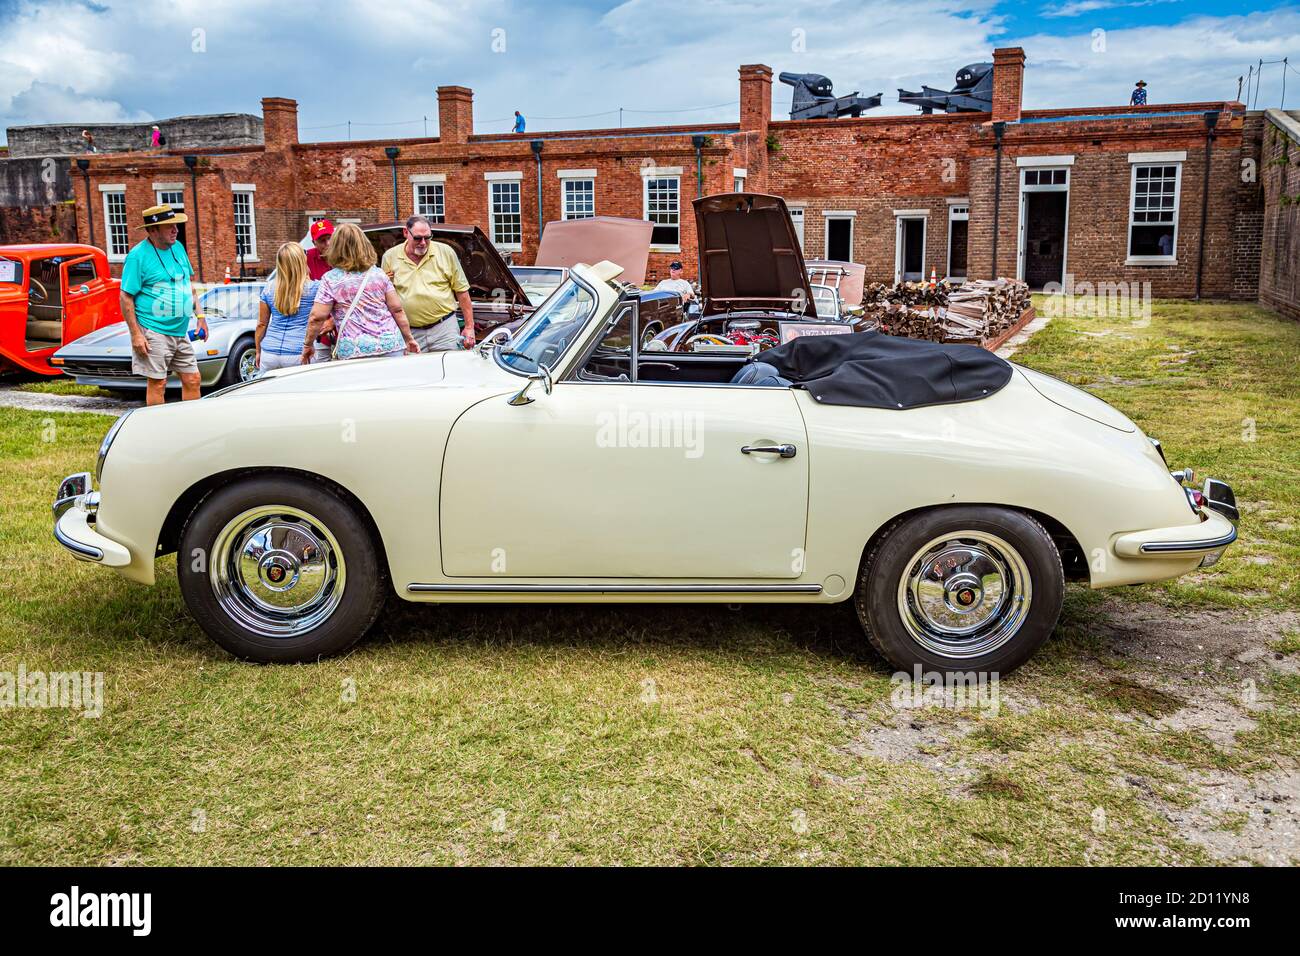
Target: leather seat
[(45, 322)]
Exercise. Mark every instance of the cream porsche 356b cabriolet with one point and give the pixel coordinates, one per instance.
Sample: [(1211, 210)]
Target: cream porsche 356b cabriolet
[(946, 493)]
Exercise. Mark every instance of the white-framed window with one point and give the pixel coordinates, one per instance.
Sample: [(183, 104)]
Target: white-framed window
[(1153, 211), (116, 230), (738, 177), (504, 214), (430, 201), (579, 198), (245, 223), (171, 197), (662, 206)]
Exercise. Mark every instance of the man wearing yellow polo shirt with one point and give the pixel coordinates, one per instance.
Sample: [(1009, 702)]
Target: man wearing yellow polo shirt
[(431, 283)]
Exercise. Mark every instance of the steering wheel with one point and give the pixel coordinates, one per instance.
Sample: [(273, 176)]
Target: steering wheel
[(37, 286)]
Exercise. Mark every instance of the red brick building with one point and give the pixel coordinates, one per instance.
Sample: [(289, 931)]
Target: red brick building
[(1103, 194)]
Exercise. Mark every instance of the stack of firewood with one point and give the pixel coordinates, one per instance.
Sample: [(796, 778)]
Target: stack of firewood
[(975, 312)]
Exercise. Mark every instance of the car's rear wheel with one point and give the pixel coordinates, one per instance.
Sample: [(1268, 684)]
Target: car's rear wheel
[(280, 570), (964, 588)]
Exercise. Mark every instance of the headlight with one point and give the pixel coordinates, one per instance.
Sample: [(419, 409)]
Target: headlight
[(106, 443)]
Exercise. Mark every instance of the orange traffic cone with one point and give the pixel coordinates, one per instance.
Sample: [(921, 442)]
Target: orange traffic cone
[(227, 280), (934, 277)]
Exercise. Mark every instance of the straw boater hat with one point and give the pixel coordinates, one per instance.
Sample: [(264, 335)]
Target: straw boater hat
[(1140, 83), (162, 216)]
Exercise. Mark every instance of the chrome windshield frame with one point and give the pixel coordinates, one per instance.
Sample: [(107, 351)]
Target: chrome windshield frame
[(560, 359)]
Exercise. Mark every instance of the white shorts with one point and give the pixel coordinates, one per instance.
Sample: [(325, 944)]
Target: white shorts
[(272, 360)]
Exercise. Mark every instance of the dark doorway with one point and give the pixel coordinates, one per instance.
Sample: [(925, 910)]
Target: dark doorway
[(912, 238), (839, 239), (957, 249), (1044, 238)]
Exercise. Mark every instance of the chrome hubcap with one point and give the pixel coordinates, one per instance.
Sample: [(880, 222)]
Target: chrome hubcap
[(248, 365), (277, 571), (964, 594)]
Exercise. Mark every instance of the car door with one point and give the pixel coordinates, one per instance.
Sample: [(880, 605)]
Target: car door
[(87, 297), (622, 480)]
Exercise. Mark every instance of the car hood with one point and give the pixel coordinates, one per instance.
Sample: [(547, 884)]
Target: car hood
[(448, 369), (490, 279), (115, 339), (749, 255), (623, 241)]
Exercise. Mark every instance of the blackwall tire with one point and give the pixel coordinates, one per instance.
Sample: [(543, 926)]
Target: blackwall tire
[(280, 570), (960, 589)]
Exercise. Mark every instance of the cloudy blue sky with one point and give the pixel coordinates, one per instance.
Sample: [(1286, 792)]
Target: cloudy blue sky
[(573, 65)]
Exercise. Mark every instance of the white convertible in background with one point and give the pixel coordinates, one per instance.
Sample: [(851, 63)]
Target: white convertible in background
[(569, 464)]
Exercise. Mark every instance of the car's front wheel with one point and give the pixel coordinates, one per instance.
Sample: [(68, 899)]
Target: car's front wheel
[(280, 570), (962, 588)]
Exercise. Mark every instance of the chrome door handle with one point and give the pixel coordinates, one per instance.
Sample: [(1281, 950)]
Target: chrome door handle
[(785, 451)]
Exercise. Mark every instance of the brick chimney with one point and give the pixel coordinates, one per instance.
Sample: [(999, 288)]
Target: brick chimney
[(755, 98), (279, 122), (1008, 83), (455, 114)]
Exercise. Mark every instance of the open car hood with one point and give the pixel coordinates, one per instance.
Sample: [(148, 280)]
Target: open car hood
[(486, 271), (749, 255), (625, 241)]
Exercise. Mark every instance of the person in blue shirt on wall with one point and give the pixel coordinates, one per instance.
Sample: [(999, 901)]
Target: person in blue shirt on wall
[(158, 301), (519, 122), (1139, 97)]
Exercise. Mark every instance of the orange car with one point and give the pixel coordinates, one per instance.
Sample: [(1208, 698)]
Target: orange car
[(51, 293)]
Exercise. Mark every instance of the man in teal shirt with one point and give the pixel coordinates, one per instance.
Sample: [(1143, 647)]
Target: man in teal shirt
[(158, 301)]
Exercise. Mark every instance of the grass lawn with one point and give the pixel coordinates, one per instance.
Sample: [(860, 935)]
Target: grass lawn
[(682, 734)]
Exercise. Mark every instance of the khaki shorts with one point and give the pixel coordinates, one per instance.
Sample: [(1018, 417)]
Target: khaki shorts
[(167, 354), (442, 336)]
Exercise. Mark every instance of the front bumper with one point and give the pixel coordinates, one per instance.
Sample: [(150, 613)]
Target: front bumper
[(116, 373), (74, 524), (1210, 538)]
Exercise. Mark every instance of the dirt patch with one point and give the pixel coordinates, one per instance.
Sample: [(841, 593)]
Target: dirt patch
[(1202, 672), (1246, 821), (1197, 642)]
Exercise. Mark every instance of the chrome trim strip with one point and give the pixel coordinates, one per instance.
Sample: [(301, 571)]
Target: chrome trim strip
[(1176, 547), (616, 588), (76, 547)]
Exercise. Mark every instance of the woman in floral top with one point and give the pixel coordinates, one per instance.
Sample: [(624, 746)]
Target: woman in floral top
[(377, 325)]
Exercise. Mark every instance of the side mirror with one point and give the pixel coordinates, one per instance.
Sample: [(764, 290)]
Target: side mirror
[(543, 375), (84, 290)]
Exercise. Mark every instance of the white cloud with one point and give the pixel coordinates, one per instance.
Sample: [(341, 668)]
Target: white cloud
[(47, 103), (1079, 7)]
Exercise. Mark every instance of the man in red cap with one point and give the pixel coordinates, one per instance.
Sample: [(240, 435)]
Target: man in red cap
[(321, 231)]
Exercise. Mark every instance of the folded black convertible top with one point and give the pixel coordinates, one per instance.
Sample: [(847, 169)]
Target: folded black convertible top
[(874, 370)]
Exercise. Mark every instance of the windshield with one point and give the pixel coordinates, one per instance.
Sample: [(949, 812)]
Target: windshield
[(537, 283), (826, 301), (549, 331), (231, 300)]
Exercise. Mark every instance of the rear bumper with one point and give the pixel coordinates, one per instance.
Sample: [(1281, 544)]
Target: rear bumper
[(74, 524), (1216, 530)]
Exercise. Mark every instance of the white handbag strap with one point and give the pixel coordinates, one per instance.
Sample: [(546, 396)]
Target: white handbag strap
[(348, 314)]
